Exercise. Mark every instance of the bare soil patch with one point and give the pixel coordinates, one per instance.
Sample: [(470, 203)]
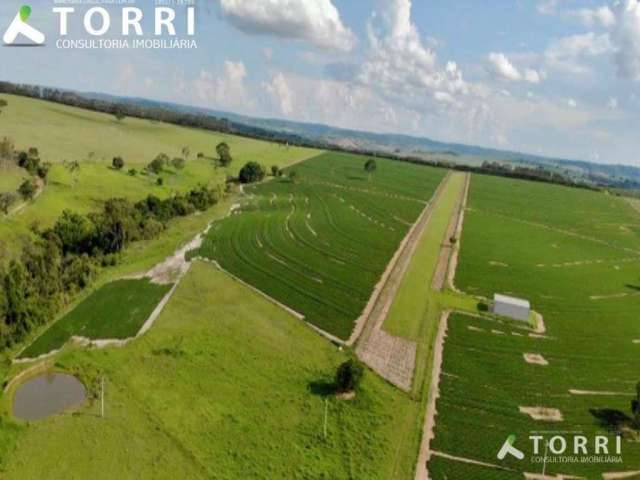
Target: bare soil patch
[(543, 413), (535, 359)]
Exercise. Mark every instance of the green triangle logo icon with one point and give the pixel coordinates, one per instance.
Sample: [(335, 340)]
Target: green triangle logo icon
[(25, 13)]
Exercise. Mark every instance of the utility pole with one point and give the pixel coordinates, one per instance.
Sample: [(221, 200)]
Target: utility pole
[(326, 413), (102, 396)]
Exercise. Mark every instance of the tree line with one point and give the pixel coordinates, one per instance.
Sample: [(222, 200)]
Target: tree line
[(64, 259), (151, 111)]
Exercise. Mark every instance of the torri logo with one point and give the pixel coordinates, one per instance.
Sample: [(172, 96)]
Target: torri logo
[(19, 30)]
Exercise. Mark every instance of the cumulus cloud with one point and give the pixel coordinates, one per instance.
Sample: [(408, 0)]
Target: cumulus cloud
[(567, 54), (502, 68), (223, 90), (602, 16), (315, 21), (279, 90), (626, 36)]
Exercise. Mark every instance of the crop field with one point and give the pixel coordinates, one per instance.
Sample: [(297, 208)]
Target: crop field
[(574, 254), (320, 244), (95, 139), (115, 311), (229, 388)]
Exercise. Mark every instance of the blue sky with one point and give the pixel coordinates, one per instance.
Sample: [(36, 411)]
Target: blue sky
[(558, 78)]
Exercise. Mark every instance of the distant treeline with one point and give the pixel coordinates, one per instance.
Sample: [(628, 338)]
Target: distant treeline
[(64, 259), (208, 122)]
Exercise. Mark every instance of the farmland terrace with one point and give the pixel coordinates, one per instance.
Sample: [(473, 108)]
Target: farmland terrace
[(575, 255), (319, 244)]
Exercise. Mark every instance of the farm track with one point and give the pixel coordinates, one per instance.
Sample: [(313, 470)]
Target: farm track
[(394, 357)]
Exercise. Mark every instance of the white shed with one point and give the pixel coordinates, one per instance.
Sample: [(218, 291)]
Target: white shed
[(511, 307)]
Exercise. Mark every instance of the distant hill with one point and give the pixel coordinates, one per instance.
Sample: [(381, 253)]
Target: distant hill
[(616, 175)]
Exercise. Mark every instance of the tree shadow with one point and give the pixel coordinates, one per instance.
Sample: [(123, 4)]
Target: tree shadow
[(612, 420), (322, 388), (353, 177), (482, 307), (633, 287)]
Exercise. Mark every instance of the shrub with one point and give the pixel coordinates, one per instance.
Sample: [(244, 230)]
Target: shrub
[(160, 181), (118, 163), (348, 376), (27, 190), (252, 172), (6, 200), (178, 163), (133, 172)]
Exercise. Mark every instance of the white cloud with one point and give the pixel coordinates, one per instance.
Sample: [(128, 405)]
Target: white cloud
[(626, 36), (612, 103), (226, 90), (567, 54), (502, 67), (280, 91), (572, 103), (602, 16), (314, 21)]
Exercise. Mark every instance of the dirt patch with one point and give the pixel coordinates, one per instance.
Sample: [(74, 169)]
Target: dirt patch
[(621, 475), (174, 267), (535, 359), (597, 393), (498, 264), (543, 414), (348, 396), (608, 297)]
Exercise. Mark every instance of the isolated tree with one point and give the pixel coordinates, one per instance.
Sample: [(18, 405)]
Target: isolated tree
[(178, 163), (224, 154), (27, 190), (74, 169), (186, 152), (275, 171), (43, 170), (6, 200), (3, 103), (348, 376), (370, 167), (117, 163), (119, 114), (252, 172), (160, 181), (7, 152), (132, 172), (635, 406), (157, 164)]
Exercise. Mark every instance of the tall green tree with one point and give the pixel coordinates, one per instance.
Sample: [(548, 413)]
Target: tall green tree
[(224, 154), (370, 167)]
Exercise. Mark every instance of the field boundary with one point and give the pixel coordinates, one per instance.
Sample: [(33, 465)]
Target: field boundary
[(176, 263), (409, 242), (428, 429)]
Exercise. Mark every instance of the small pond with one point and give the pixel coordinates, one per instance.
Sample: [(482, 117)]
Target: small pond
[(47, 395)]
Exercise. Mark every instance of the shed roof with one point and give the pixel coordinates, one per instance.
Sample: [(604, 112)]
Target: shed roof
[(505, 299)]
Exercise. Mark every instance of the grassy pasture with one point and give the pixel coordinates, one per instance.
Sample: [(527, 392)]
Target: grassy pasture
[(587, 290), (93, 139), (320, 245), (226, 385), (115, 311)]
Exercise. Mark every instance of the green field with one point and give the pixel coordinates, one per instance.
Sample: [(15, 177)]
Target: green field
[(573, 254), (320, 245), (115, 311), (69, 134), (226, 385)]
